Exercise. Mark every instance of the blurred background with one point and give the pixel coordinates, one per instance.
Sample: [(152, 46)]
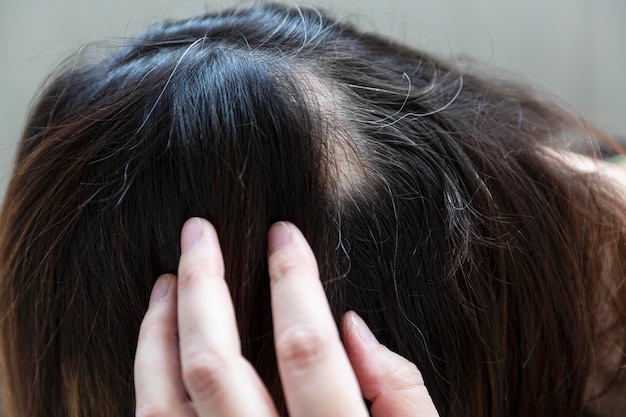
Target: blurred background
[(572, 49)]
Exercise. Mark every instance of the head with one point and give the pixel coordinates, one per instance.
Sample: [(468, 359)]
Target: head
[(430, 197)]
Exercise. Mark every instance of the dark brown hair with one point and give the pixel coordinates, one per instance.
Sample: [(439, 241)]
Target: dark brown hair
[(436, 202)]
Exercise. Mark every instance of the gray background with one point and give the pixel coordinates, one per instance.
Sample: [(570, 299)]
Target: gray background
[(574, 49)]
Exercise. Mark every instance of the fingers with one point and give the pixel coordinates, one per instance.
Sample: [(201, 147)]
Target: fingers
[(315, 372), (200, 329), (215, 374), (158, 384), (393, 384), (317, 377)]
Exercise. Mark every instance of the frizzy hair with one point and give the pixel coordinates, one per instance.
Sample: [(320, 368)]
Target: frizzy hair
[(432, 198)]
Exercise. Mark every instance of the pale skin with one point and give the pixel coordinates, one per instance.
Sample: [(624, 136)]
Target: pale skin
[(189, 360)]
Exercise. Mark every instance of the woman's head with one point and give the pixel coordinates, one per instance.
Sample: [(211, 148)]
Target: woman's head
[(427, 194)]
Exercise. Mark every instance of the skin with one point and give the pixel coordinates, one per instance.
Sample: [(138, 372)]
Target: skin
[(189, 360)]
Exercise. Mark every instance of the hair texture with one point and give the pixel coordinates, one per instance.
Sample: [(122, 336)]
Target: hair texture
[(436, 202)]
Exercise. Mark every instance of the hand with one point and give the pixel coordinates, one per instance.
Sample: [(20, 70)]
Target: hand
[(189, 344)]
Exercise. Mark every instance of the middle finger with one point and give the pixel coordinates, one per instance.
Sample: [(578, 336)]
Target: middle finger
[(215, 374)]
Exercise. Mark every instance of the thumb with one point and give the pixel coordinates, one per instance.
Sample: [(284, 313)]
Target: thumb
[(393, 384)]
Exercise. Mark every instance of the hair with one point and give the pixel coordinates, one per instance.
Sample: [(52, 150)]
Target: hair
[(437, 202)]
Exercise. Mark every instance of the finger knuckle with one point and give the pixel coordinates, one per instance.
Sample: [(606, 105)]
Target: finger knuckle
[(283, 266), (301, 347), (204, 374), (190, 275), (409, 373), (153, 410)]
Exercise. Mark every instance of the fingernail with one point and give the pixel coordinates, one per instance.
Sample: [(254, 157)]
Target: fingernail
[(161, 288), (279, 237), (191, 234), (363, 332)]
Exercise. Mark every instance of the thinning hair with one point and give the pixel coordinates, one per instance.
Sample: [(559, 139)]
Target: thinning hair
[(432, 198)]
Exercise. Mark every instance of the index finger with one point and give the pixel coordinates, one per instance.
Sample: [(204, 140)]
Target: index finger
[(315, 371)]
